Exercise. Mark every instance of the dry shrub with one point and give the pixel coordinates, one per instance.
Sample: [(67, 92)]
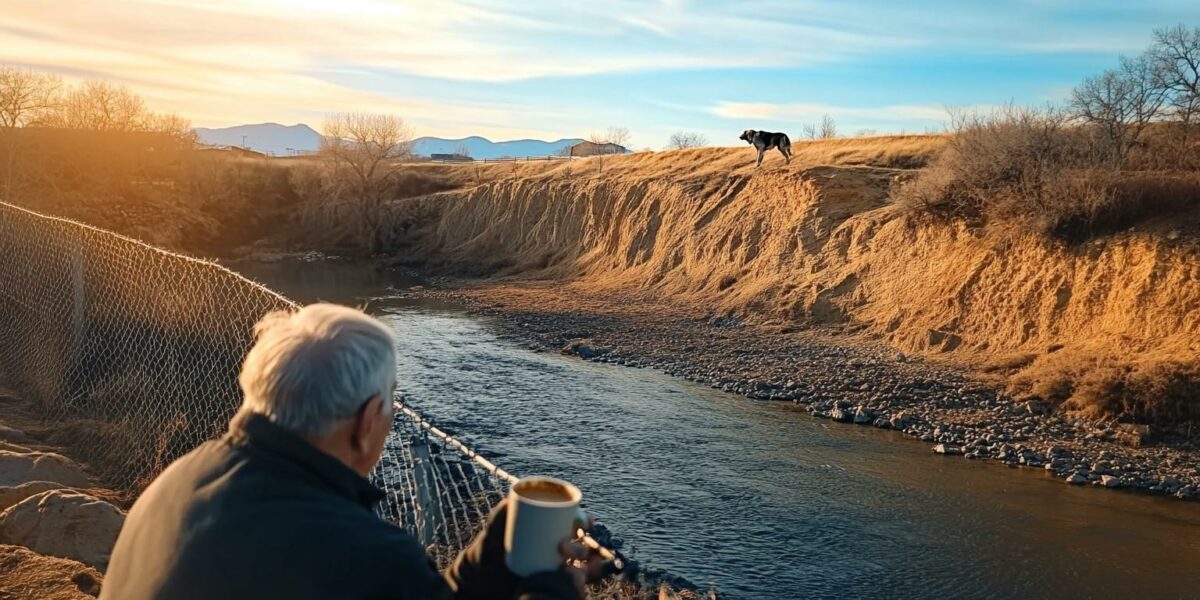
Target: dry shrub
[(332, 215), (996, 165), (1033, 168), (1143, 389), (1103, 202)]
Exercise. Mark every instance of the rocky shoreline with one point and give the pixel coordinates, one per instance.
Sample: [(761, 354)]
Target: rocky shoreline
[(837, 377)]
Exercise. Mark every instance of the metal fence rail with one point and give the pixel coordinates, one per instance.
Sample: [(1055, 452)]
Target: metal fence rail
[(131, 354)]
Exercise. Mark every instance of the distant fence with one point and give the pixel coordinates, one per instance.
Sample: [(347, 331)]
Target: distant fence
[(131, 355)]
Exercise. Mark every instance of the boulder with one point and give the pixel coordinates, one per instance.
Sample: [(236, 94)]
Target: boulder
[(585, 350), (840, 414), (862, 416), (947, 449), (8, 434), (64, 523), (14, 494), (1076, 479), (1109, 481), (28, 574), (19, 467)]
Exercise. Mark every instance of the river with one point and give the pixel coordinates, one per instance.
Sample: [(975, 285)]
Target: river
[(758, 498)]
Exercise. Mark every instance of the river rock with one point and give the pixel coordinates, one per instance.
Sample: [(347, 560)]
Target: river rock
[(837, 413), (862, 416), (1076, 479), (64, 523), (16, 436), (19, 467), (14, 494), (947, 449), (585, 350), (28, 574), (1109, 481), (1059, 464)]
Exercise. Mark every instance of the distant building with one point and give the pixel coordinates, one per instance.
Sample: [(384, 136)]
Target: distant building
[(592, 149), (232, 151), (450, 157)]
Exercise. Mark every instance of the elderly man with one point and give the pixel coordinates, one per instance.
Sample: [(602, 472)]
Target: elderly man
[(280, 507)]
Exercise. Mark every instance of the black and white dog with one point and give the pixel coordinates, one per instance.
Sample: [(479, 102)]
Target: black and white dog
[(765, 140)]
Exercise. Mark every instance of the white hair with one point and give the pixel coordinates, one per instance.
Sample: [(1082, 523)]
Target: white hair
[(315, 367)]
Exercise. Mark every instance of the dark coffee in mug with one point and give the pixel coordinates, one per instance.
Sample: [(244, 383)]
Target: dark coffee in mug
[(543, 490)]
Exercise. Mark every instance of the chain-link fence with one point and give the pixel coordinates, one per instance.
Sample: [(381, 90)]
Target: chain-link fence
[(131, 353)]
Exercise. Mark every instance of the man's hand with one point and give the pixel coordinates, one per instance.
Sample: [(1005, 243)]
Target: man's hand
[(583, 564), (479, 570)]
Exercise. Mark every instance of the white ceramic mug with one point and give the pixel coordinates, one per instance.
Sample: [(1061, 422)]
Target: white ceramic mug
[(542, 512)]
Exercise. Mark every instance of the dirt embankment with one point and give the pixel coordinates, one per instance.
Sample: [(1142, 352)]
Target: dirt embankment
[(1095, 326)]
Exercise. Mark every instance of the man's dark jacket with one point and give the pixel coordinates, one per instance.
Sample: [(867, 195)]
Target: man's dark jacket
[(260, 513)]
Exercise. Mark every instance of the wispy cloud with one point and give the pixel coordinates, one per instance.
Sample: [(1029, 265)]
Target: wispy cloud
[(458, 64), (808, 112)]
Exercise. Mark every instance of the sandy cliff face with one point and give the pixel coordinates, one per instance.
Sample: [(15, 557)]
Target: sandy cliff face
[(824, 244)]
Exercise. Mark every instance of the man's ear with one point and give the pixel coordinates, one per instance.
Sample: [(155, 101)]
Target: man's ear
[(365, 422)]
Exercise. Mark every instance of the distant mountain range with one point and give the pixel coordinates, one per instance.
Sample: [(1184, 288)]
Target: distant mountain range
[(283, 140), (479, 147), (272, 138)]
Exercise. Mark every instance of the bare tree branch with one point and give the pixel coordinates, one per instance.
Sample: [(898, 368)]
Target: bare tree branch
[(683, 139)]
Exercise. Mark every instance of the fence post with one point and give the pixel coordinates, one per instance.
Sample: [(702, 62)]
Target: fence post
[(423, 465)]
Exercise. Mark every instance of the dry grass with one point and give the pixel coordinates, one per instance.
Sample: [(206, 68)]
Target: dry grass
[(895, 151), (27, 574), (1106, 378)]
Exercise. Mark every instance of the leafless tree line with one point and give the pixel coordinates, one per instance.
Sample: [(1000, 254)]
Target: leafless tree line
[(32, 99), (1160, 85)]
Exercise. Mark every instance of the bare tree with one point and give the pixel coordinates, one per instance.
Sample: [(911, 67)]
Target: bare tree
[(171, 124), (684, 139), (462, 150), (828, 128), (1120, 103), (25, 99), (101, 106), (26, 96), (809, 131), (866, 132), (1175, 55), (613, 141), (369, 145)]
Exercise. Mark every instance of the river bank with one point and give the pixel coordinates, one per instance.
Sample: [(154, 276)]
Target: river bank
[(836, 377)]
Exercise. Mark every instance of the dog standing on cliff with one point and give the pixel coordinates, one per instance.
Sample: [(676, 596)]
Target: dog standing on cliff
[(765, 140)]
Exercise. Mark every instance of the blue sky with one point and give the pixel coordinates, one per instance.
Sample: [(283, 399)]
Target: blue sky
[(549, 70)]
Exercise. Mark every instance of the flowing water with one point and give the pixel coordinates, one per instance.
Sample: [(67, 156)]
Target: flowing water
[(758, 498)]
